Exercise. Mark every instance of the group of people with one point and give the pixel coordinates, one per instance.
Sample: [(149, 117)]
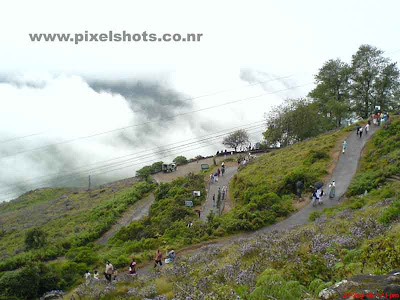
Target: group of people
[(317, 196), (109, 274), (361, 129), (220, 172), (220, 196), (379, 118)]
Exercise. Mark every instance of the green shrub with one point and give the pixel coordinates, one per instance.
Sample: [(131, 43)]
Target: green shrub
[(390, 213), (35, 238), (317, 285), (315, 215), (270, 284)]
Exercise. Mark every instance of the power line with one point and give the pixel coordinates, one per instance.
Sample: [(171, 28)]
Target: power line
[(154, 121), (167, 104), (148, 153), (84, 176), (197, 139)]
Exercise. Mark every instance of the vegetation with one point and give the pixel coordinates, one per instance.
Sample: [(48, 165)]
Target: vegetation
[(66, 223), (166, 225), (359, 235), (264, 190), (342, 90), (180, 160), (236, 139)]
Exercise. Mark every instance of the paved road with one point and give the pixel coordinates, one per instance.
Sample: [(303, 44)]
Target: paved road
[(343, 173), (213, 189)]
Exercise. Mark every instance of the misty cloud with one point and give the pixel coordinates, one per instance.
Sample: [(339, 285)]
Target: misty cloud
[(21, 81), (269, 82), (149, 98), (74, 107)]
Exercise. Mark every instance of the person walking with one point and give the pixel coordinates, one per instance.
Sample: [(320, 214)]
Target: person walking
[(320, 194), (219, 172), (361, 132), (315, 199), (88, 277), (344, 146), (332, 189), (132, 267), (366, 128), (214, 201), (109, 271), (96, 275), (158, 259), (358, 129), (223, 170)]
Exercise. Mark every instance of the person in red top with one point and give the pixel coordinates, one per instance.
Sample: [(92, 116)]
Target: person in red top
[(158, 258), (132, 267)]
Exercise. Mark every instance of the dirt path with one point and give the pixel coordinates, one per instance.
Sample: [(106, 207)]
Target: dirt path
[(137, 211), (344, 171)]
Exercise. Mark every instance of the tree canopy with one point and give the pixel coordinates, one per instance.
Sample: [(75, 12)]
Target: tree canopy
[(341, 90), (236, 139)]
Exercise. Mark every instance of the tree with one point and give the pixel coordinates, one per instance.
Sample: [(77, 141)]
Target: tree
[(144, 172), (332, 93), (387, 87), (374, 80), (156, 167), (293, 121), (180, 160), (236, 139), (35, 238)]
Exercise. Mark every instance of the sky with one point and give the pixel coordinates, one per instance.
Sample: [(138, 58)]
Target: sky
[(106, 109)]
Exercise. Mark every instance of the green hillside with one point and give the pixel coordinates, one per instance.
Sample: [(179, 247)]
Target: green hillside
[(361, 235)]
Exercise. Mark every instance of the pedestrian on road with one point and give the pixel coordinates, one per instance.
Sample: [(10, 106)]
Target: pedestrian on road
[(366, 128), (358, 129), (132, 267), (96, 275), (219, 172), (212, 178), (87, 276), (320, 194), (158, 259), (109, 271), (315, 199), (223, 170), (214, 201), (344, 146), (361, 131), (332, 189)]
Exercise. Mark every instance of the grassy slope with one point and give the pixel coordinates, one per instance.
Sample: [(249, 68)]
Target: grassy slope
[(360, 235), (280, 170), (68, 216)]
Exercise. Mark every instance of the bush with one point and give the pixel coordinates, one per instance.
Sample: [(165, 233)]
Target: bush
[(390, 213), (315, 215), (30, 282), (35, 238), (272, 285)]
